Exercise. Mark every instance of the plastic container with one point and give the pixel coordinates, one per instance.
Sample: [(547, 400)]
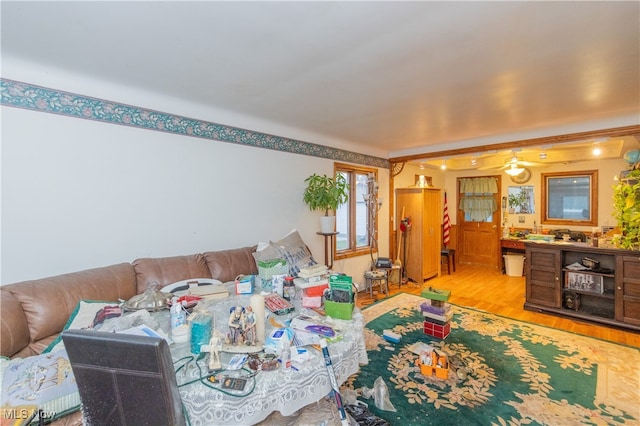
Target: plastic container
[(514, 265)]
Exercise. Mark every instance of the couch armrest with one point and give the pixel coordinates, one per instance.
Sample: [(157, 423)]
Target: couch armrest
[(48, 302), (14, 330)]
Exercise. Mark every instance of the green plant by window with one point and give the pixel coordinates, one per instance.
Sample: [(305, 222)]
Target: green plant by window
[(325, 193), (626, 202)]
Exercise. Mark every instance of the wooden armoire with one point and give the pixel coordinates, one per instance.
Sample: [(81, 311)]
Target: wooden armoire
[(420, 253)]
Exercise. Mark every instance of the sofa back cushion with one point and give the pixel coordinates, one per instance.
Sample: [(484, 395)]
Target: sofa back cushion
[(226, 265), (48, 302), (14, 334), (168, 270)]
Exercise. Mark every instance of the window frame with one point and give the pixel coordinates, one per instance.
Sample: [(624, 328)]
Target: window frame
[(593, 200), (353, 250)]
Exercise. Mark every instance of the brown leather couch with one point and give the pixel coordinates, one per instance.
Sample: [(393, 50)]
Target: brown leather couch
[(33, 313)]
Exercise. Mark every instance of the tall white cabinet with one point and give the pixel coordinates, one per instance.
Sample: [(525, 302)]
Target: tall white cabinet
[(423, 239)]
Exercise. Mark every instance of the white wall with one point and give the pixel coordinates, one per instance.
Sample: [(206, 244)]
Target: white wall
[(78, 194)]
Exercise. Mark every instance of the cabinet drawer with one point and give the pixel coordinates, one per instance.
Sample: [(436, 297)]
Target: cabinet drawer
[(516, 245)]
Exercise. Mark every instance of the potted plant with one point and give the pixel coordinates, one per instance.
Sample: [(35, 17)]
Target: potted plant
[(326, 194), (626, 203), (516, 201)]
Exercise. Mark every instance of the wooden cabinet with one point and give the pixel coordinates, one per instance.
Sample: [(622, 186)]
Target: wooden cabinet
[(607, 294), (421, 250)]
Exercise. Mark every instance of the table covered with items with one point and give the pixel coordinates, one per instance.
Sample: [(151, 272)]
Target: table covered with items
[(239, 352), (266, 380)]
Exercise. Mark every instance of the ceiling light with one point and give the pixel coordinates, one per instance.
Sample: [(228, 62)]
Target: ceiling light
[(514, 170), (421, 166), (474, 162), (596, 150), (443, 166), (543, 155)]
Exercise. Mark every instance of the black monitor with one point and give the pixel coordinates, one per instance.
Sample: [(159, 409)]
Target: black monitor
[(124, 379)]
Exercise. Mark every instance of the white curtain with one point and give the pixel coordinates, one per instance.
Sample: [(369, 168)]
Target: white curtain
[(478, 201)]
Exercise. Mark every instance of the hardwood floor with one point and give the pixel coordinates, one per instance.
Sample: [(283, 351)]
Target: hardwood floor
[(491, 291)]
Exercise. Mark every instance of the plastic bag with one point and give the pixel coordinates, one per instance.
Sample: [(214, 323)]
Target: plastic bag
[(380, 394)]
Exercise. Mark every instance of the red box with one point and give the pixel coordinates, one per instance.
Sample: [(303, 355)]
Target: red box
[(437, 330)]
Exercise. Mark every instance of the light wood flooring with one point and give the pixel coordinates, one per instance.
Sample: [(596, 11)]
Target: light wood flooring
[(490, 290)]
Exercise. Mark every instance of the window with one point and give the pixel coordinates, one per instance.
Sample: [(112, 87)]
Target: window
[(570, 198), (352, 220)]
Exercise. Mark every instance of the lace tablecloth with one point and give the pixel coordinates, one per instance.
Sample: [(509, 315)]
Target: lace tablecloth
[(285, 391)]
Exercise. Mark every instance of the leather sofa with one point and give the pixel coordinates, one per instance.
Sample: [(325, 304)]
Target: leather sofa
[(33, 313)]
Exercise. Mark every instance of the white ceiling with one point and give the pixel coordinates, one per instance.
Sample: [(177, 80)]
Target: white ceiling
[(403, 77)]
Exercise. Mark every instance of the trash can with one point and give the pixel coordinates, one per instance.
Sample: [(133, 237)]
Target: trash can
[(514, 265)]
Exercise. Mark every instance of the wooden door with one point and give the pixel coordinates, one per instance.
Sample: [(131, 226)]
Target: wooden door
[(479, 241)]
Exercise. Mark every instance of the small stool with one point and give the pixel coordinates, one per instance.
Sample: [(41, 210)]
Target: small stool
[(377, 277), (450, 254)]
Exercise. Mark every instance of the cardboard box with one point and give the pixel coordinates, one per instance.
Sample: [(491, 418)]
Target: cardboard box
[(338, 310), (436, 294), (437, 330)]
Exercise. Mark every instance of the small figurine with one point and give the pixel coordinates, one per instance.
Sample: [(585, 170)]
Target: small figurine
[(236, 319), (215, 345), (249, 326)]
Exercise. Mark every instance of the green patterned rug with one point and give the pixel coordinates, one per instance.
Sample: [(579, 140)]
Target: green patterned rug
[(518, 373)]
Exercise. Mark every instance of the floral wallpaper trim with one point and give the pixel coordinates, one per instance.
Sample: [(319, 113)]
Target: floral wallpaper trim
[(28, 96)]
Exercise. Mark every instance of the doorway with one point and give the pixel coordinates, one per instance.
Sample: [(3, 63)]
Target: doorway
[(479, 230)]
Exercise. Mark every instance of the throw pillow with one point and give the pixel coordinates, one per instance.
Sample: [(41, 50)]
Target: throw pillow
[(81, 317), (296, 252)]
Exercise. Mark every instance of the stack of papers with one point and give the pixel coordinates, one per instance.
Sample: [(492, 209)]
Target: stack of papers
[(313, 271), (576, 267)]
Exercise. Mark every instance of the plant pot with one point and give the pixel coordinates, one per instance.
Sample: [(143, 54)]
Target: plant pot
[(327, 224)]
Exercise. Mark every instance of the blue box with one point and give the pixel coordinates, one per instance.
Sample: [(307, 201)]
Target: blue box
[(245, 284)]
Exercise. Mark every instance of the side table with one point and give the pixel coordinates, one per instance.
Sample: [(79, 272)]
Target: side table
[(329, 240)]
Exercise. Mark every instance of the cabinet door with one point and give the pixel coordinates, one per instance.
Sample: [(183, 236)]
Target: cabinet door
[(410, 200), (432, 233), (628, 289), (543, 277)]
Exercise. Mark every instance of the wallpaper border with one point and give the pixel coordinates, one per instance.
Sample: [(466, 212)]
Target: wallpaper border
[(28, 96)]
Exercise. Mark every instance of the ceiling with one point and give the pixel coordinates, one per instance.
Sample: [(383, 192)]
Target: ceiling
[(400, 78)]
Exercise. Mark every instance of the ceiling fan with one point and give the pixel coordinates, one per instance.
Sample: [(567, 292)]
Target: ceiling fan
[(513, 165)]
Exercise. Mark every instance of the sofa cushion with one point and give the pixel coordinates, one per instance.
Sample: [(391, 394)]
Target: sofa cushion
[(296, 252), (226, 265), (14, 333), (49, 302), (168, 270)]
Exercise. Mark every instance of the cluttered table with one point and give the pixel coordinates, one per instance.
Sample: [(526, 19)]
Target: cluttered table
[(283, 390)]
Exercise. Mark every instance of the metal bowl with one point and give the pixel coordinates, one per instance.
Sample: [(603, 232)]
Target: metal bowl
[(151, 300)]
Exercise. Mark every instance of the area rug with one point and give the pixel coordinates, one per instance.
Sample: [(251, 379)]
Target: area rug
[(516, 373)]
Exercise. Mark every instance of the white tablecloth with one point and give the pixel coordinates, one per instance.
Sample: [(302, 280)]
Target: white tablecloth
[(281, 390)]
